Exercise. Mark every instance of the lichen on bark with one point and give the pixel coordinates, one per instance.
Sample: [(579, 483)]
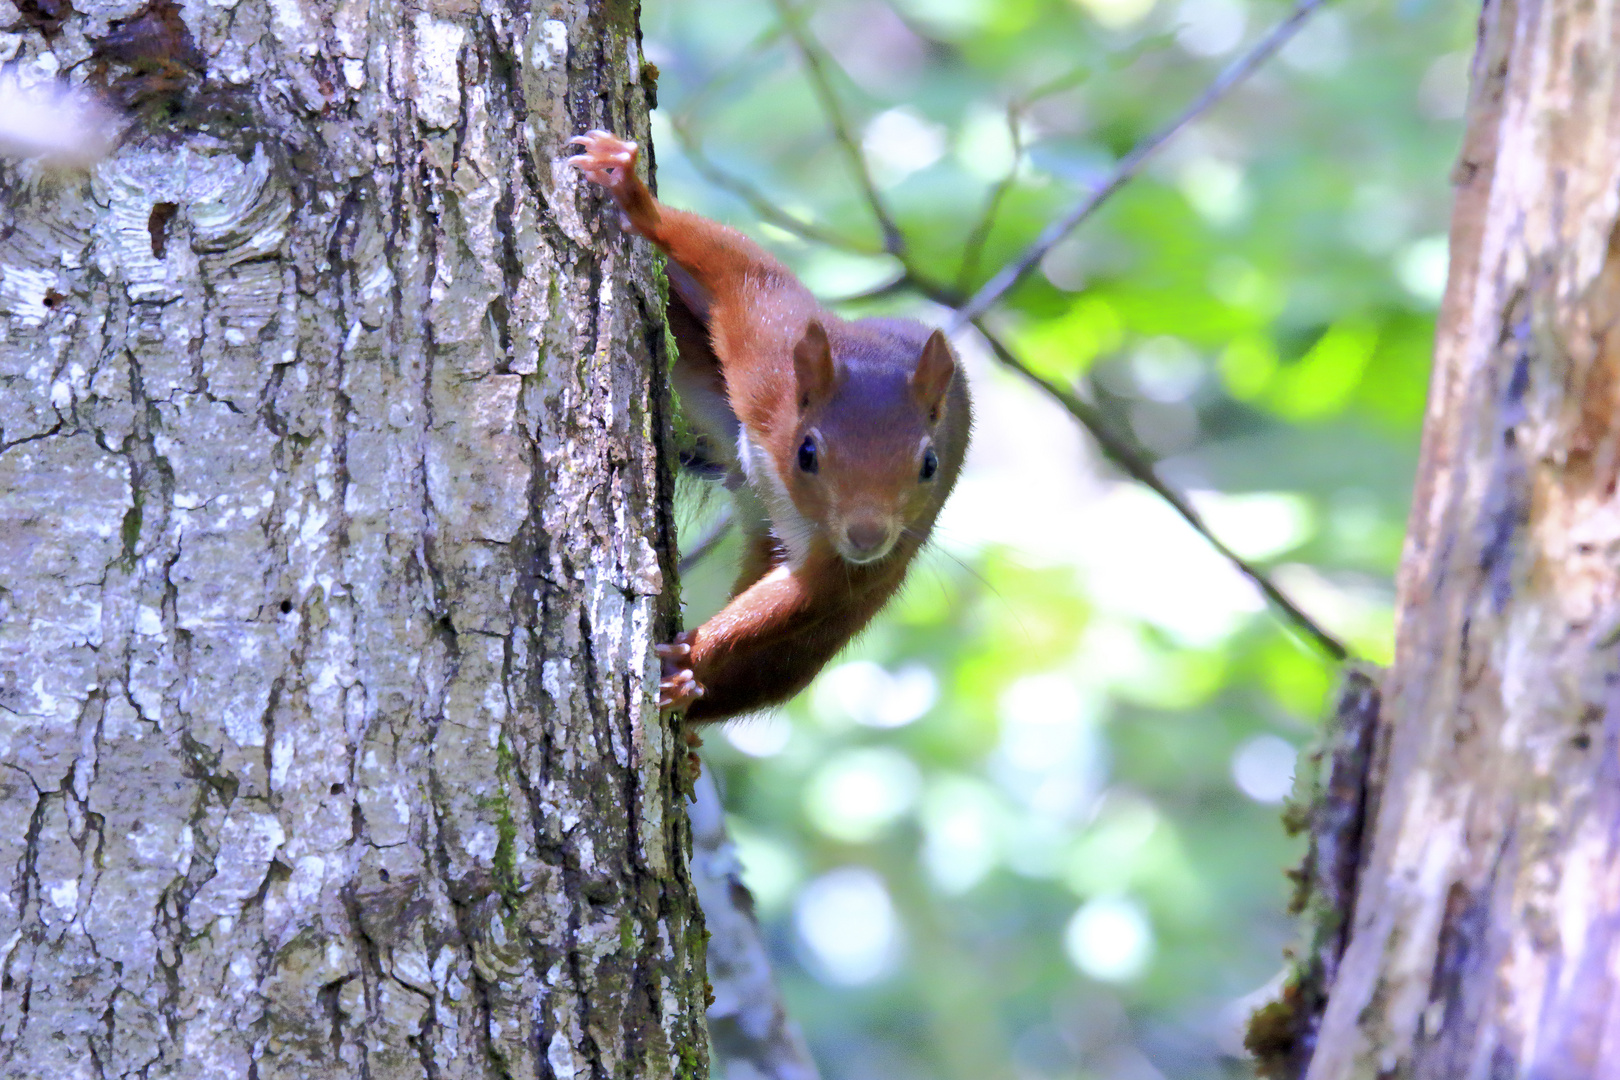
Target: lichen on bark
[(334, 539)]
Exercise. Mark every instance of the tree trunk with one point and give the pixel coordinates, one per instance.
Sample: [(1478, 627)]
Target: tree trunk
[(1485, 934), (333, 543)]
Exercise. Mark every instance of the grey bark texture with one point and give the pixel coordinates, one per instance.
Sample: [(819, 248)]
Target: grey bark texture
[(333, 546), (1485, 941)]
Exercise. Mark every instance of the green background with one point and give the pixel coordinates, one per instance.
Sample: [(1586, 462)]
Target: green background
[(1029, 825)]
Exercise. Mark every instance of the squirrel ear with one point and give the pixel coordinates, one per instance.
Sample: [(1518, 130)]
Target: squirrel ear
[(813, 364), (935, 367)]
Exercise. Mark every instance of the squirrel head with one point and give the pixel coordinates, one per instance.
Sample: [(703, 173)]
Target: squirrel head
[(863, 462)]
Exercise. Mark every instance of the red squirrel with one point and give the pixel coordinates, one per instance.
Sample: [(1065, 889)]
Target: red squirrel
[(840, 441)]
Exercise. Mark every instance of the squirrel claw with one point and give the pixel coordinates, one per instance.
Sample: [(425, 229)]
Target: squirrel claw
[(606, 158), (678, 692), (678, 688), (694, 764)]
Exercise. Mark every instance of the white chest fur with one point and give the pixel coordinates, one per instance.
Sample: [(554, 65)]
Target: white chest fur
[(765, 497)]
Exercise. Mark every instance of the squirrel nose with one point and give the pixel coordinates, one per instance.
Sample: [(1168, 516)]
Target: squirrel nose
[(866, 539)]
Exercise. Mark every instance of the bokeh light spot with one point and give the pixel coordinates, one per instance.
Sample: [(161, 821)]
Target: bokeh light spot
[(848, 926), (1110, 939), (858, 794), (1421, 268), (901, 141), (763, 735), (1263, 768), (872, 696)]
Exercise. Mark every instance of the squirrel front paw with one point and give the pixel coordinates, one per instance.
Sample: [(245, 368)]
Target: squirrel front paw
[(607, 159), (678, 687)]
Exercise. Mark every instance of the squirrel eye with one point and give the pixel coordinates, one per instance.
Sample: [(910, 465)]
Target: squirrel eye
[(930, 464), (807, 455)]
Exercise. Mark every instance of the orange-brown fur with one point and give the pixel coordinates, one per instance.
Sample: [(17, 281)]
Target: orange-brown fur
[(874, 396)]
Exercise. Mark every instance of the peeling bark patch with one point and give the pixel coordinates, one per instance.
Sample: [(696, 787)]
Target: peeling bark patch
[(156, 34), (438, 82), (1339, 820), (1505, 506), (1335, 787), (1582, 1010), (1505, 511), (46, 16), (1457, 963), (157, 226)]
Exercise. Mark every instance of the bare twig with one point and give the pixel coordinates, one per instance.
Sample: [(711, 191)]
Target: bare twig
[(711, 540), (893, 287), (894, 242), (1118, 447), (1135, 462), (1015, 271), (748, 1019), (723, 76), (973, 247), (759, 202), (1138, 466)]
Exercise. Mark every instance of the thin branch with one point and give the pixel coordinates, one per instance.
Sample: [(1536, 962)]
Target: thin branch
[(734, 71), (1015, 271), (892, 287), (1067, 81), (894, 241), (759, 202), (704, 547), (748, 1019), (1136, 464), (973, 247), (1118, 447)]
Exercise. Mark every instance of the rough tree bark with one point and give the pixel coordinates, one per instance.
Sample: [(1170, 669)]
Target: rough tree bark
[(1485, 934), (332, 549)]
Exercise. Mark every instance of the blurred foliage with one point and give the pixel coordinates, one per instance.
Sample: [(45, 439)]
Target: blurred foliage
[(1028, 827)]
